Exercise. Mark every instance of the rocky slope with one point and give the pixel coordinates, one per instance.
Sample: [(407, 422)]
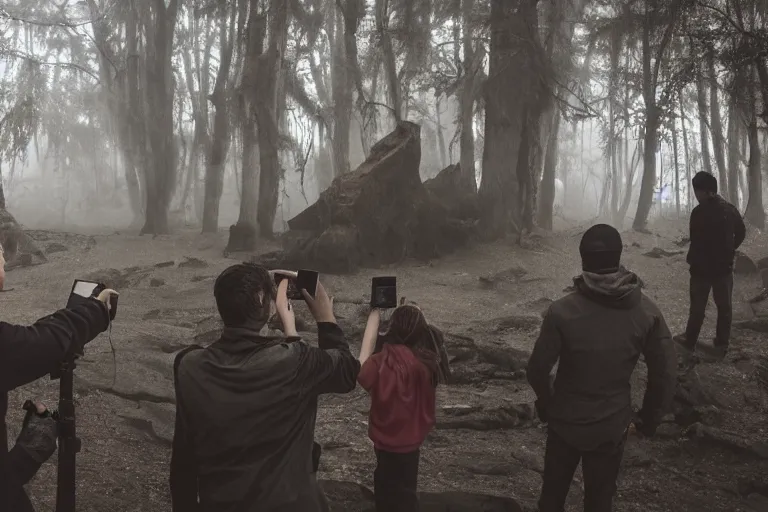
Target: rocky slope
[(487, 450)]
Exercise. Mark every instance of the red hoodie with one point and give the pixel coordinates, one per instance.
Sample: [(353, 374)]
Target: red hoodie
[(402, 399)]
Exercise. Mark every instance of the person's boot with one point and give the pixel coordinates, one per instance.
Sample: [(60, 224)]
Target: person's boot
[(681, 340)]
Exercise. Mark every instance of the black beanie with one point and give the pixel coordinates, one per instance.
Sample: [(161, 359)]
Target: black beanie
[(704, 181), (600, 249)]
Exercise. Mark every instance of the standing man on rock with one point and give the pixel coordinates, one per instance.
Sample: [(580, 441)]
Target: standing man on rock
[(716, 231), (598, 333)]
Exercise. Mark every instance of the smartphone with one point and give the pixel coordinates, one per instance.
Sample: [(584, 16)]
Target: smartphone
[(384, 292), (305, 280)]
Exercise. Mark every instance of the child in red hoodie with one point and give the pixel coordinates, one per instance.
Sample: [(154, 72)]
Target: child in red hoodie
[(402, 379)]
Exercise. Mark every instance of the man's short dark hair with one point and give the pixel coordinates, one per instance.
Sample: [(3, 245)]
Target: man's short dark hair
[(704, 181), (244, 294)]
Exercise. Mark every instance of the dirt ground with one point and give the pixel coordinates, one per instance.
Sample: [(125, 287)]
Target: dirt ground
[(712, 455)]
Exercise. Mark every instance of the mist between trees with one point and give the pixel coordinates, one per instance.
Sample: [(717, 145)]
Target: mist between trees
[(159, 114)]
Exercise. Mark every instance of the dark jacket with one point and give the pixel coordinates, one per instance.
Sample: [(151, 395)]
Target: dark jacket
[(598, 333), (716, 231), (245, 420), (27, 354)]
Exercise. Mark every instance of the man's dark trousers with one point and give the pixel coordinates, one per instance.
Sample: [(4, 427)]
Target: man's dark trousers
[(722, 291), (600, 468)]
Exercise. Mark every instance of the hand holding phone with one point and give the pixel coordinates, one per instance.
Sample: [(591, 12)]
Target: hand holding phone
[(304, 280)]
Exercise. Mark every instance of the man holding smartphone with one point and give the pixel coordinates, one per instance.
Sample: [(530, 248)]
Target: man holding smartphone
[(246, 405), (27, 354)]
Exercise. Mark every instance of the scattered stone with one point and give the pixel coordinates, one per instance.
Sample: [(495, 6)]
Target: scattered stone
[(110, 277), (190, 262), (510, 275), (636, 455), (743, 264), (757, 502), (517, 322), (493, 468), (497, 418), (164, 264), (156, 282), (717, 437), (460, 410), (529, 459), (56, 247), (669, 431), (683, 242), (658, 252), (759, 324), (708, 415)]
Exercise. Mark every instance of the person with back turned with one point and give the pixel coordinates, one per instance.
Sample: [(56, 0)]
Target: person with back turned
[(27, 354), (597, 333), (716, 231), (246, 405)]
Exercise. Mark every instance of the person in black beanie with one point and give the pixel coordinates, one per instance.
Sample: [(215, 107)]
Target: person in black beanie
[(598, 333), (716, 231)]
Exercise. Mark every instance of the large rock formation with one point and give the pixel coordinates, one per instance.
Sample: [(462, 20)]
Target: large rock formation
[(379, 214)]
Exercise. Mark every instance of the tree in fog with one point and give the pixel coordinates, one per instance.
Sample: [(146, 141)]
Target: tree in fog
[(198, 100)]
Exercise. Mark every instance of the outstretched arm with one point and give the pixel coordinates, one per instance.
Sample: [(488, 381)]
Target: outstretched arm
[(331, 368), (29, 353), (370, 335)]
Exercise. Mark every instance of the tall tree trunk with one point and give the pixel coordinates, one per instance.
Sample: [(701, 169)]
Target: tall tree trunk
[(388, 53), (688, 177), (440, 136), (159, 91), (701, 101), (220, 140), (470, 65), (507, 93), (546, 201), (265, 101), (651, 67), (718, 142), (675, 150), (755, 212), (734, 154), (341, 92)]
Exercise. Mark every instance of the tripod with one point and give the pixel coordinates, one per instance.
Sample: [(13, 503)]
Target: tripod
[(69, 443)]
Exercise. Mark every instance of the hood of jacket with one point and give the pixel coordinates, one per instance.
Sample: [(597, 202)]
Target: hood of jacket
[(621, 289)]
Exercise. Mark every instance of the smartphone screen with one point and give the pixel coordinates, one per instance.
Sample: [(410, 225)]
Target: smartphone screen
[(84, 288), (307, 280)]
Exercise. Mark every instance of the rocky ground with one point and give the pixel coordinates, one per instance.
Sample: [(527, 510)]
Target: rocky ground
[(486, 453)]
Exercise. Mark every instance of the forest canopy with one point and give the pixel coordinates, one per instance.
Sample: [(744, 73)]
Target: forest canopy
[(604, 108)]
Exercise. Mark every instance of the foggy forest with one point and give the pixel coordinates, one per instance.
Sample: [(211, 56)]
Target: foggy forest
[(462, 145)]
